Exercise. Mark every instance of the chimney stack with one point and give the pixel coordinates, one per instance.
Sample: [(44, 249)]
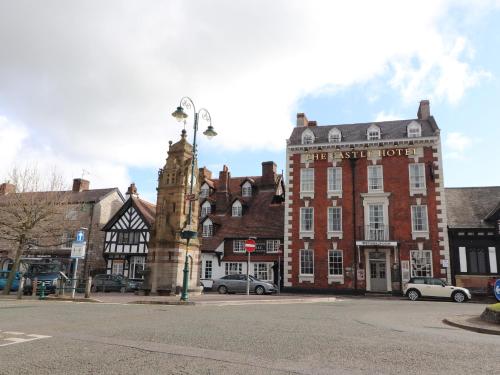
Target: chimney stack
[(7, 188), (205, 173), (424, 110), (79, 184), (301, 119), (224, 177), (268, 173), (132, 191)]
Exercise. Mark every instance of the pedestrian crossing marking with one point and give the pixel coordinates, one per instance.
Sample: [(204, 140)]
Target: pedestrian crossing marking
[(18, 337)]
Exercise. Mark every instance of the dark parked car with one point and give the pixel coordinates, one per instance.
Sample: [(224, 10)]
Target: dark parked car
[(49, 280), (238, 284), (114, 283)]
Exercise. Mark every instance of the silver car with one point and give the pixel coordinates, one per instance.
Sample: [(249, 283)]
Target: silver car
[(238, 284)]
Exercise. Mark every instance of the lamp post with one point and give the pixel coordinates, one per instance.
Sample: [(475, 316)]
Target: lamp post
[(187, 232)]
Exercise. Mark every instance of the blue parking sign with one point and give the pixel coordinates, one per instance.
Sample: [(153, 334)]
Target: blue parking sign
[(496, 289), (80, 236)]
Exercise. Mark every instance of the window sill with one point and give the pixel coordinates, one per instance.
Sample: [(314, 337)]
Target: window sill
[(423, 234), (335, 279), (306, 278), (306, 235), (335, 234), (422, 191), (334, 194), (307, 194)]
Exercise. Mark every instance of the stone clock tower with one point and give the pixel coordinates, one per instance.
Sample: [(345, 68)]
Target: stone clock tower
[(167, 250)]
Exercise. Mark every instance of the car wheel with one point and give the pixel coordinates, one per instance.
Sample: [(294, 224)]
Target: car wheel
[(222, 289), (413, 294), (260, 290), (459, 297)]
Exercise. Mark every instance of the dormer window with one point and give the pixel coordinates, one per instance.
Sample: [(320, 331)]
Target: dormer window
[(334, 136), (208, 228), (373, 133), (414, 130), (246, 189), (206, 209), (307, 137), (205, 191), (237, 209)]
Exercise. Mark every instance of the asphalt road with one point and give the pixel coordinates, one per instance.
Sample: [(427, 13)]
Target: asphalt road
[(350, 336)]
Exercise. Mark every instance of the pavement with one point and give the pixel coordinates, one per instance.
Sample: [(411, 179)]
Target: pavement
[(473, 323), (345, 335)]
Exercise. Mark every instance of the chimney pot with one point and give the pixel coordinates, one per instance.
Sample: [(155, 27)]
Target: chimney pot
[(268, 173), (79, 184), (7, 188), (301, 119), (424, 110)]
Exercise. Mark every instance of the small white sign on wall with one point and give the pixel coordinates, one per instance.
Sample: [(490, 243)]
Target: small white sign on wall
[(445, 263), (405, 270)]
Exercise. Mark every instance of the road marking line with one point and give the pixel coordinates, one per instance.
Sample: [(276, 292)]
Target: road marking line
[(6, 341), (38, 336)]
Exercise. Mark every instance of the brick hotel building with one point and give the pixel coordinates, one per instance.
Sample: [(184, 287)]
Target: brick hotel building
[(364, 205)]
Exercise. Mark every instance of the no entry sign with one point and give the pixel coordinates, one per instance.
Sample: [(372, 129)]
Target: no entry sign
[(250, 246)]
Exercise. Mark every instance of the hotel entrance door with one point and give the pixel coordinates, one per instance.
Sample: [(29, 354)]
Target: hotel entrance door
[(378, 274)]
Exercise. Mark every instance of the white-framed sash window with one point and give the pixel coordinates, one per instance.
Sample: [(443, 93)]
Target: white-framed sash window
[(375, 178), (307, 262), (417, 176), (334, 180), (306, 219), (238, 246), (233, 268), (306, 180)]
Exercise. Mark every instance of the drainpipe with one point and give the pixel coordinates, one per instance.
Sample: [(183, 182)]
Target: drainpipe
[(355, 263)]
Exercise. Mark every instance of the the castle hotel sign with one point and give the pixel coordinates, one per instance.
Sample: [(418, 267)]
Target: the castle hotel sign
[(355, 154)]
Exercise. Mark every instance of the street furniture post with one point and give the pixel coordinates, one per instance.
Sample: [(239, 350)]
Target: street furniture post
[(34, 286), (88, 287), (74, 279), (20, 291), (248, 273), (42, 291)]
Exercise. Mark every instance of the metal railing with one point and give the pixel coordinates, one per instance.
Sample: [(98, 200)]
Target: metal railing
[(376, 232)]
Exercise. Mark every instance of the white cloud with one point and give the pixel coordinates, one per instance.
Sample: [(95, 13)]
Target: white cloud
[(95, 82), (386, 116), (456, 145)]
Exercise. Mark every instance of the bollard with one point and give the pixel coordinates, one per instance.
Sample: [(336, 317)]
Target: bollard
[(20, 290), (58, 287), (88, 286), (34, 286), (42, 291)]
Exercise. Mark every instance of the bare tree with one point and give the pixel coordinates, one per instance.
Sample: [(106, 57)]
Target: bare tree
[(33, 214)]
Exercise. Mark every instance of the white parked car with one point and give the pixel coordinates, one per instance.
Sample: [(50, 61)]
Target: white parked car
[(419, 287)]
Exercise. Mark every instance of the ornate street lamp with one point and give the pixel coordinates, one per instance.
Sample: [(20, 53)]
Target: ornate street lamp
[(187, 232)]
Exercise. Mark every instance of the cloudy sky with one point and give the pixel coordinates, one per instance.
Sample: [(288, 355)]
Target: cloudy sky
[(90, 85)]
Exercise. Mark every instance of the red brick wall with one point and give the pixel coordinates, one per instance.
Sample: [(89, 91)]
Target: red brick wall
[(396, 182)]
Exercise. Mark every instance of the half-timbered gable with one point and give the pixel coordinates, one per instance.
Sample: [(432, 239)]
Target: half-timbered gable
[(127, 237)]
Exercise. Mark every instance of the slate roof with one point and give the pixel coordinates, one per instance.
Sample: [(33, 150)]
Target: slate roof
[(357, 132), (263, 215), (470, 207), (86, 196)]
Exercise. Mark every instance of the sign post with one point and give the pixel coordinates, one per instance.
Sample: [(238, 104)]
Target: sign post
[(77, 252), (250, 248)]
